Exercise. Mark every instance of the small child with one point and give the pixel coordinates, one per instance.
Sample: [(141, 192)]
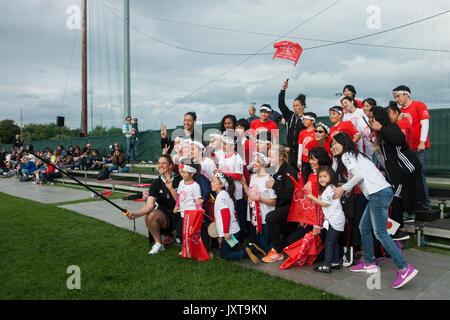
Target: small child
[(334, 217), (261, 200), (226, 219), (189, 195)]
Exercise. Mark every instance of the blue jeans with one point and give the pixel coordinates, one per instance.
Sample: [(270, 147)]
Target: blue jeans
[(131, 144), (262, 239), (422, 155), (376, 216), (331, 246), (228, 253), (124, 169)]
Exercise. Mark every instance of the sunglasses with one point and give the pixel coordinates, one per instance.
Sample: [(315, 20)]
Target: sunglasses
[(319, 131)]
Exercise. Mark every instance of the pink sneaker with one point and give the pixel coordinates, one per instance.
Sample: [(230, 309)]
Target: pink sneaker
[(365, 267), (404, 276)]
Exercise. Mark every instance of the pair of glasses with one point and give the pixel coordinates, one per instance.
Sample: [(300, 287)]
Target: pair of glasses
[(319, 131)]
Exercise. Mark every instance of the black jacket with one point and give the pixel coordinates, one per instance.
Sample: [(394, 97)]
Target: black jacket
[(284, 186), (294, 124), (400, 162)]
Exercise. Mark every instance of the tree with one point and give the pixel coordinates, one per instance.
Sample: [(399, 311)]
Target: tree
[(8, 130)]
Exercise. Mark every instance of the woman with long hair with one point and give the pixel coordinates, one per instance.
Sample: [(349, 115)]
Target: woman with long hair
[(362, 172)]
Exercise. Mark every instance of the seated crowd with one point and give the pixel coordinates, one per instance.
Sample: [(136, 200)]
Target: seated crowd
[(339, 183), (26, 166)]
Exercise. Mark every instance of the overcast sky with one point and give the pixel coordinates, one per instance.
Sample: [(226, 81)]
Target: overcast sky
[(41, 57)]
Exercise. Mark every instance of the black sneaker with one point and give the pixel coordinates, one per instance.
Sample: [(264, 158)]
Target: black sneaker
[(335, 266), (322, 269), (400, 235)]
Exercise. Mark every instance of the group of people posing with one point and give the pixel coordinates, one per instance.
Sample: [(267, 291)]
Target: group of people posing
[(365, 168)]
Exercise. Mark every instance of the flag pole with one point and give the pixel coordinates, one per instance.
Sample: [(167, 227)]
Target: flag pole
[(290, 73)]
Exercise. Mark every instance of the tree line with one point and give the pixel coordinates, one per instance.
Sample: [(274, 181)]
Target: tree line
[(34, 132)]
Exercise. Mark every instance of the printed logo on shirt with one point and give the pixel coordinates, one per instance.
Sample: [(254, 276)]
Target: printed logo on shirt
[(425, 114), (160, 191), (408, 116), (279, 178), (182, 195)]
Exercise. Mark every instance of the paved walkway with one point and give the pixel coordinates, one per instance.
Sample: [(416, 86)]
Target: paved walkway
[(432, 281)]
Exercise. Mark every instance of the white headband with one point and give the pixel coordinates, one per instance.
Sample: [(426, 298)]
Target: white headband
[(265, 109), (222, 179), (402, 92), (309, 118), (263, 141), (336, 109), (187, 168), (262, 156), (215, 135), (321, 124), (198, 144)]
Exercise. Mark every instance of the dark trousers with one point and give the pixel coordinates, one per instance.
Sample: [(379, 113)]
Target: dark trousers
[(397, 211), (359, 207), (332, 254), (241, 210), (276, 220), (262, 239), (228, 253)]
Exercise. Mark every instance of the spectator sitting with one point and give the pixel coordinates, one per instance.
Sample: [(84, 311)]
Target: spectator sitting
[(67, 161), (119, 162), (27, 166), (84, 157), (96, 160)]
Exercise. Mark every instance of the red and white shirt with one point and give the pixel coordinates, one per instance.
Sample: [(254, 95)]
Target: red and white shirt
[(258, 187), (344, 126), (187, 194), (416, 112), (258, 126), (304, 138), (233, 165), (225, 215), (406, 128)]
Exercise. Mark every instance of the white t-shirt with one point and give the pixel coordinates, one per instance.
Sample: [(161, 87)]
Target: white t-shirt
[(365, 144), (208, 167), (187, 194), (258, 187), (223, 201), (233, 164), (353, 117), (372, 182), (334, 214)]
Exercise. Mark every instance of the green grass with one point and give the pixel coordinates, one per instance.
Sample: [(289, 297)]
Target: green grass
[(39, 243)]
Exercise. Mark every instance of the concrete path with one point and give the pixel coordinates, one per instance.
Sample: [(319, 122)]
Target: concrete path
[(43, 194), (104, 211), (432, 281)]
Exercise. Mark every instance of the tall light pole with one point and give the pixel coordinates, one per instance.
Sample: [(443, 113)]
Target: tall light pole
[(126, 57)]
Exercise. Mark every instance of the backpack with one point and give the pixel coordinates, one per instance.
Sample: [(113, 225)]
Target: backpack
[(103, 174)]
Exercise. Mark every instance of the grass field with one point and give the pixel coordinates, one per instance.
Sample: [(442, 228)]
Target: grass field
[(40, 241)]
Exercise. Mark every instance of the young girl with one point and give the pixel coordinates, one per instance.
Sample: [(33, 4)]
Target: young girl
[(231, 164), (262, 200), (304, 137), (188, 195), (334, 217), (226, 220)]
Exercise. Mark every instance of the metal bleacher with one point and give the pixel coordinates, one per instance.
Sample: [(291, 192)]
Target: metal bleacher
[(125, 181)]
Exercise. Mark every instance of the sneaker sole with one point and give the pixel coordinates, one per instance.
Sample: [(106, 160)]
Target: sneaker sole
[(279, 259), (408, 278), (401, 238), (366, 270)]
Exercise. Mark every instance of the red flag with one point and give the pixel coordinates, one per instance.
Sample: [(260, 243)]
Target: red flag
[(303, 251), (302, 209), (288, 50), (193, 246)]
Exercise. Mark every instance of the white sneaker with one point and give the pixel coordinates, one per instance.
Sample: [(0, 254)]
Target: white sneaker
[(157, 247), (348, 256)]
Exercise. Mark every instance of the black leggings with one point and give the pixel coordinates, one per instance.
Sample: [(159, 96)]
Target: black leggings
[(276, 220)]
